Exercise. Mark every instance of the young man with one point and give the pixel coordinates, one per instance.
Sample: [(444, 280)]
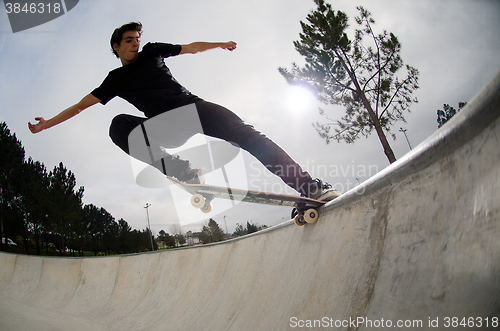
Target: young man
[(145, 81)]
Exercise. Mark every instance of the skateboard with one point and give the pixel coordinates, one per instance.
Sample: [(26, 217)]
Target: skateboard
[(304, 209)]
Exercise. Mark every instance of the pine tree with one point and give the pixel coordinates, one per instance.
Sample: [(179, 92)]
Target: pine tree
[(11, 161), (360, 76), (211, 232), (448, 112)]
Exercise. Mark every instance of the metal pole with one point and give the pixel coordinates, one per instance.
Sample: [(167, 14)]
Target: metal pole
[(149, 227), (227, 232), (404, 131)]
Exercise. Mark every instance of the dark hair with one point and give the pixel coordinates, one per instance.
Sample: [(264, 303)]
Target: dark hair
[(117, 35)]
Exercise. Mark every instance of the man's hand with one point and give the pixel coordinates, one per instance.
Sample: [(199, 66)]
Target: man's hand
[(87, 101), (40, 126), (230, 46)]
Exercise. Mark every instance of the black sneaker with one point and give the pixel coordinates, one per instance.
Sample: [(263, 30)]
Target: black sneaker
[(192, 175), (323, 191)]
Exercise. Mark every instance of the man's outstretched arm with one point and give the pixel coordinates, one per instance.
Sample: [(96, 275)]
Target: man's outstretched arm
[(87, 101), (201, 46)]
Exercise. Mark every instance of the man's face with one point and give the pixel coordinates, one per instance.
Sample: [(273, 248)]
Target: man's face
[(128, 49)]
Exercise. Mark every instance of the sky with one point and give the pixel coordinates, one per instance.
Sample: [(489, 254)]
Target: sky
[(453, 43)]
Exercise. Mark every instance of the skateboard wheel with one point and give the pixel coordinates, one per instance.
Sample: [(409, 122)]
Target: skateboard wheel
[(206, 209), (299, 220), (311, 216), (197, 201)]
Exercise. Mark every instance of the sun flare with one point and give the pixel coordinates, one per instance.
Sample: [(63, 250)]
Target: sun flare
[(299, 99)]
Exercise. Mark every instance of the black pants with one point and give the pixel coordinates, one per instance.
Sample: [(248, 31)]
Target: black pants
[(219, 122)]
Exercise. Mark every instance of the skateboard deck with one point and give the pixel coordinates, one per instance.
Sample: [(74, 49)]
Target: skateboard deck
[(305, 209)]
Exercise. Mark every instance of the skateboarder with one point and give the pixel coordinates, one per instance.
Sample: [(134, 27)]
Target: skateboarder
[(145, 81)]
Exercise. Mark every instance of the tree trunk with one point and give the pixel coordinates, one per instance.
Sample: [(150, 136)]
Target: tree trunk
[(26, 239), (37, 242), (61, 238), (1, 227), (380, 132)]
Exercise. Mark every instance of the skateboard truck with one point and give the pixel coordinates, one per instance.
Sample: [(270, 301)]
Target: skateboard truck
[(201, 202), (302, 215)]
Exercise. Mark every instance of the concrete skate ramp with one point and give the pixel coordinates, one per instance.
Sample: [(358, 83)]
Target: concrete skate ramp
[(417, 243)]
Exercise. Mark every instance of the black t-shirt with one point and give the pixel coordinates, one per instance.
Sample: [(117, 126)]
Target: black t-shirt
[(147, 82)]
